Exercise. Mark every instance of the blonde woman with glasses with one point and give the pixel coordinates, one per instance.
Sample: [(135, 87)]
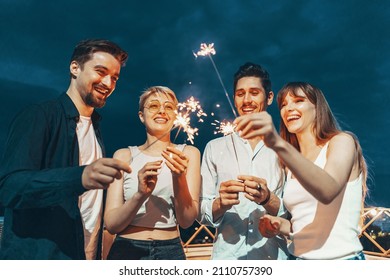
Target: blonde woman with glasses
[(145, 207)]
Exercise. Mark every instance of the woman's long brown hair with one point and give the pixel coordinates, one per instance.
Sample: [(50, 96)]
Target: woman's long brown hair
[(326, 125)]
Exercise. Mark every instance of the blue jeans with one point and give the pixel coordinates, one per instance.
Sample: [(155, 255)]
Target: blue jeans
[(131, 249), (358, 256)]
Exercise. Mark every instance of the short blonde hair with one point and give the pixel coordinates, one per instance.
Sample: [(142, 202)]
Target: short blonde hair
[(156, 90)]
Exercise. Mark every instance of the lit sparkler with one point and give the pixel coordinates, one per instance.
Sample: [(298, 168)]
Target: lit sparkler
[(192, 105), (208, 50), (205, 50), (183, 117), (223, 127)]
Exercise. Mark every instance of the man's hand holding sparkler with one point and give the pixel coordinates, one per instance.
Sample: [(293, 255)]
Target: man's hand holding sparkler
[(176, 161), (255, 189), (102, 172), (228, 196)]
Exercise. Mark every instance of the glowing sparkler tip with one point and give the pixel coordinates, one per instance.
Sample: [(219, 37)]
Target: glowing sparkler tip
[(205, 49), (225, 128)]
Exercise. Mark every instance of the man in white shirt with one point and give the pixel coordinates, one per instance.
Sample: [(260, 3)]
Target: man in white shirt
[(242, 180)]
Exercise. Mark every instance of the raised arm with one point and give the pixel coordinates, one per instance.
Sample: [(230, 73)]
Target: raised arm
[(324, 184)]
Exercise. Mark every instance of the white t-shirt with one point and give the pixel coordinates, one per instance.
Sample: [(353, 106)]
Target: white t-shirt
[(90, 202)]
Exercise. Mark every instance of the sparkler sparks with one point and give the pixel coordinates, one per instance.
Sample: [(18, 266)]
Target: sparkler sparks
[(183, 120), (192, 105), (205, 50), (225, 128)]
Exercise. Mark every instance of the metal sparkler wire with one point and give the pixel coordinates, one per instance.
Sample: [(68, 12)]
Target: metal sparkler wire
[(227, 128), (223, 86), (235, 153), (155, 141), (208, 50)]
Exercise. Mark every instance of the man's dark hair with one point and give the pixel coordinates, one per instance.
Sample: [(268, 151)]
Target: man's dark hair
[(85, 49), (250, 69)]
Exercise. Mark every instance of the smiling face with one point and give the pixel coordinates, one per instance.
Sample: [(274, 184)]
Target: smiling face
[(298, 113), (250, 96), (158, 113), (96, 79)]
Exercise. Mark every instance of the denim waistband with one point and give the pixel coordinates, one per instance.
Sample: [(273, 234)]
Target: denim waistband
[(173, 241), (358, 256)]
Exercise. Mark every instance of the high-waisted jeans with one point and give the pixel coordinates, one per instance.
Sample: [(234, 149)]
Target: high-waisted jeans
[(131, 249)]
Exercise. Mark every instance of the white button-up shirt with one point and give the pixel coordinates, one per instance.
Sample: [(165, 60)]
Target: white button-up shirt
[(237, 235)]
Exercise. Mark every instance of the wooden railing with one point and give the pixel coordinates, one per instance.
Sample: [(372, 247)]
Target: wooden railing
[(200, 244), (375, 234)]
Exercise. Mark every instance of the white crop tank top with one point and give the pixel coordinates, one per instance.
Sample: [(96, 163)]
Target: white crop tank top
[(158, 210), (322, 231)]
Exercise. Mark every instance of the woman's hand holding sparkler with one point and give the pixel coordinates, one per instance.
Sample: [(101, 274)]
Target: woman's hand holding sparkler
[(258, 124), (176, 161), (147, 177)]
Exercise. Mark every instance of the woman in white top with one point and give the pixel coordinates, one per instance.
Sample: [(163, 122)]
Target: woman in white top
[(326, 175), (145, 208)]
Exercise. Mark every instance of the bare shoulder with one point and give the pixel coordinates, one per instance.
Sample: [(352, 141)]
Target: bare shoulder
[(191, 150), (342, 140), (342, 137), (123, 154)]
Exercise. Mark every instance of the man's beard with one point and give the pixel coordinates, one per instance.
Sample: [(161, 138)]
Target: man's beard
[(94, 102)]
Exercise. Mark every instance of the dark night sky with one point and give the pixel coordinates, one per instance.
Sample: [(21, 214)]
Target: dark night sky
[(340, 46)]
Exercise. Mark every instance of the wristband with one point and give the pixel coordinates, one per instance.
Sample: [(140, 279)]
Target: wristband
[(266, 200)]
